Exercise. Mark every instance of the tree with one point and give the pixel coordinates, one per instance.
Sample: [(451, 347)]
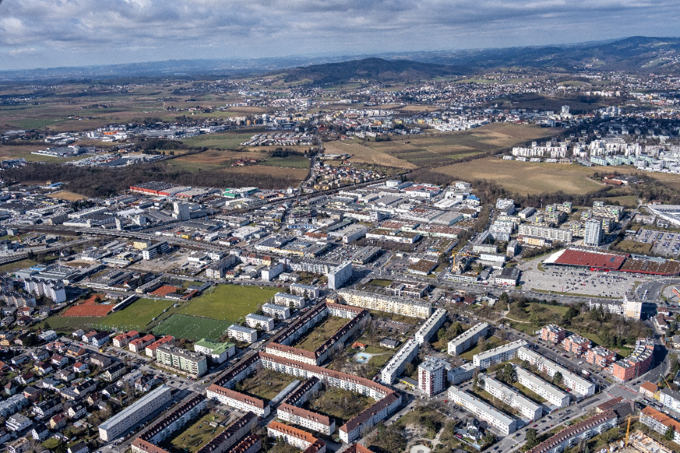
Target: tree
[(670, 433), (557, 378), (489, 438), (532, 441)]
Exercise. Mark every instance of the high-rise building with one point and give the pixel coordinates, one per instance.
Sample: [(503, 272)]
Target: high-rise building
[(593, 233), (431, 377)]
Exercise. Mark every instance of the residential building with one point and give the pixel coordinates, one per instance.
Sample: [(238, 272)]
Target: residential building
[(240, 333), (431, 377), (231, 437), (339, 275), (545, 390), (593, 233), (578, 385), (600, 357), (670, 399), (151, 349), (138, 345), (497, 355), (512, 398), (239, 401), (504, 424), (552, 333), (289, 300), (292, 436), (18, 423), (431, 326), (133, 415), (260, 322), (393, 368), (576, 344), (399, 305), (553, 234), (660, 422), (648, 390), (637, 363), (154, 250), (276, 311), (467, 339), (216, 352), (571, 436), (307, 291), (461, 374), (192, 363)]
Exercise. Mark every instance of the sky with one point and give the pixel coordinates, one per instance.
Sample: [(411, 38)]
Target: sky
[(58, 33)]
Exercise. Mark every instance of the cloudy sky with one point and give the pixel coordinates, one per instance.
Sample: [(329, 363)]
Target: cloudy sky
[(53, 33)]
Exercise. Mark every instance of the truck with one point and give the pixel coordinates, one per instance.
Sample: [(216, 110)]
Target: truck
[(585, 373)]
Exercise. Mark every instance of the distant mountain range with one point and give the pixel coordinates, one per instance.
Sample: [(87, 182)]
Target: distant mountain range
[(635, 54)]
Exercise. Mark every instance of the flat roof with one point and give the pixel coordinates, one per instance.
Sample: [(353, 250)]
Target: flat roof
[(143, 401), (572, 257)]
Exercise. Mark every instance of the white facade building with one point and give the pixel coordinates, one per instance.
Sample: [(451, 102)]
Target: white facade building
[(258, 321), (512, 398), (133, 415), (467, 339), (483, 411), (431, 326), (244, 334), (547, 391), (574, 382), (431, 377), (498, 355), (339, 275)]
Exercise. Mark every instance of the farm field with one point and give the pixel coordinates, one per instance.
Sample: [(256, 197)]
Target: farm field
[(66, 195), (213, 158), (290, 161), (364, 155), (63, 324), (136, 316), (191, 327), (320, 333), (527, 178), (220, 140), (228, 302)]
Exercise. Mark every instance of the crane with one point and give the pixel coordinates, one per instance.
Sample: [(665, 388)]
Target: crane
[(630, 417)]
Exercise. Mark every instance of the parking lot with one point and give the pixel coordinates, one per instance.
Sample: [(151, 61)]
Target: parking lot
[(579, 281), (665, 243)]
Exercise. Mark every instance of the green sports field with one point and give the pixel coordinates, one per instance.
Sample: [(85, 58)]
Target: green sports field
[(228, 302), (136, 316), (192, 327)]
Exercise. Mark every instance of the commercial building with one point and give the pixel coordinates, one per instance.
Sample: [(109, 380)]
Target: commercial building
[(192, 363), (399, 305), (574, 382), (483, 411), (512, 398), (431, 326), (498, 355), (431, 377), (398, 361), (552, 333), (547, 391), (135, 414), (276, 311), (660, 422), (214, 351), (339, 275), (467, 339), (240, 333), (154, 250), (571, 436), (260, 322)]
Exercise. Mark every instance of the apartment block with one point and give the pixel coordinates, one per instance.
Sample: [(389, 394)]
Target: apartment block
[(231, 437), (637, 363), (553, 234), (576, 344), (122, 340), (154, 250), (461, 374), (506, 425), (260, 322), (600, 356), (498, 355), (240, 333), (308, 291), (467, 339), (660, 422), (151, 349), (577, 384), (512, 398), (138, 345), (431, 326), (292, 436), (552, 333), (431, 377), (276, 311), (289, 300), (237, 400), (571, 436), (549, 392), (399, 305), (133, 415), (398, 361), (339, 275), (214, 351), (192, 363)]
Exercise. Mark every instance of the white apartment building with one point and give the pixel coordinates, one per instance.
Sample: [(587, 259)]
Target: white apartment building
[(574, 382), (467, 339), (399, 305), (276, 311), (258, 321), (512, 398), (215, 352), (554, 234), (483, 411), (307, 419), (396, 364), (339, 275), (461, 374), (286, 300), (549, 392), (431, 326), (292, 436), (431, 377), (238, 401), (308, 291), (133, 415), (497, 355), (190, 362), (240, 333), (152, 251)]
